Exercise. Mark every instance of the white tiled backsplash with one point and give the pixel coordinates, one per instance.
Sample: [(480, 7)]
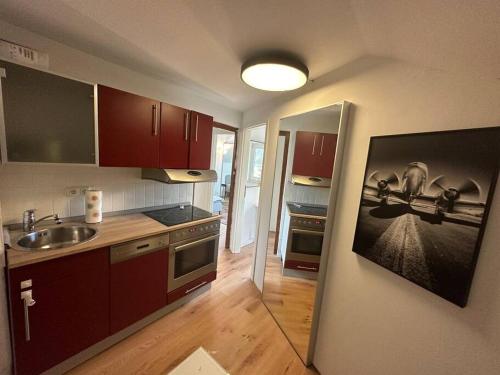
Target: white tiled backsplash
[(306, 194), (44, 187)]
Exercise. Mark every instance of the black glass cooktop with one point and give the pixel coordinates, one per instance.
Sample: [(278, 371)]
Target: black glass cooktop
[(178, 215), (307, 209)]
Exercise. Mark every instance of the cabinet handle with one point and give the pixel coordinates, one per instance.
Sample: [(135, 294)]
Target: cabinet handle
[(322, 141), (155, 119), (186, 125), (314, 145), (28, 301), (195, 287), (307, 268), (196, 131)]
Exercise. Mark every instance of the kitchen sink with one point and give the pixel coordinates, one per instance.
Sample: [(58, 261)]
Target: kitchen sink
[(57, 237)]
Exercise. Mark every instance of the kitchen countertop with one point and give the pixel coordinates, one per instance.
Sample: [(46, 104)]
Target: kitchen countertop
[(311, 211), (111, 231)]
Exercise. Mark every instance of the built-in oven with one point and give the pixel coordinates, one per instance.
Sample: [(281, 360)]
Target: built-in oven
[(192, 253), (305, 239)]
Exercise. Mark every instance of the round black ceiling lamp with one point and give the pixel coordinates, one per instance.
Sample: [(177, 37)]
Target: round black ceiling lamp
[(274, 73)]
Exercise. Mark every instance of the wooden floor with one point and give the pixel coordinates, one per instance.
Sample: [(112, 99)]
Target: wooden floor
[(290, 300), (230, 322)]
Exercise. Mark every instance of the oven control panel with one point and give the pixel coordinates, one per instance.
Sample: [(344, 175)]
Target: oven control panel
[(303, 222), (194, 231)]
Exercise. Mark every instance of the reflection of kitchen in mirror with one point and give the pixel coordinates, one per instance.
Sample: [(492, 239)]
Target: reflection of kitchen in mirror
[(303, 173)]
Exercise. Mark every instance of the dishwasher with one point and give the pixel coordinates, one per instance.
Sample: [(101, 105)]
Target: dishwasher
[(138, 280)]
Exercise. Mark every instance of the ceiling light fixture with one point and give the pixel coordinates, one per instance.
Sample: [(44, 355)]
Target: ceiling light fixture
[(274, 73)]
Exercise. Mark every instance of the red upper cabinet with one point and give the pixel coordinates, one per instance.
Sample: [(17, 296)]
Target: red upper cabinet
[(327, 147), (129, 129), (70, 310), (174, 137), (306, 151), (314, 154), (135, 131), (200, 151)]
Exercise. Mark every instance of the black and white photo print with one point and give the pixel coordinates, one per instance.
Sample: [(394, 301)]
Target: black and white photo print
[(424, 206)]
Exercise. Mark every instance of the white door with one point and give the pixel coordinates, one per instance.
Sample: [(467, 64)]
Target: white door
[(250, 208), (252, 188)]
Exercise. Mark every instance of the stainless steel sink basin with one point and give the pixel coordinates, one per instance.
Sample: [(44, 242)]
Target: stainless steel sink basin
[(57, 237)]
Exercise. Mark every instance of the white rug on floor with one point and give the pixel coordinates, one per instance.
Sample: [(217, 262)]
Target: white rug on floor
[(199, 362)]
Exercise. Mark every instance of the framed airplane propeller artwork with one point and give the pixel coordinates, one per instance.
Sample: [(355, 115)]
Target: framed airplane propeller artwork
[(425, 203)]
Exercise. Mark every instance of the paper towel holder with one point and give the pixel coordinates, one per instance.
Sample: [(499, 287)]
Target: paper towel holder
[(93, 206)]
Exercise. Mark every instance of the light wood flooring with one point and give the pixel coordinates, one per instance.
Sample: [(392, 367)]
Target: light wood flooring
[(290, 300), (230, 322)]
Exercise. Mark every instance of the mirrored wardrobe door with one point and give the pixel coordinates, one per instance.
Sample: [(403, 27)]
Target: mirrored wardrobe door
[(306, 154)]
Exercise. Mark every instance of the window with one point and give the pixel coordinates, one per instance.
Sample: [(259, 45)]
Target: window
[(256, 162)]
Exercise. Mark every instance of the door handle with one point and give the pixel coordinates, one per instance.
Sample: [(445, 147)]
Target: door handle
[(155, 119), (195, 287), (322, 141), (195, 243), (314, 145), (28, 301), (196, 131), (304, 231), (307, 268), (186, 125)]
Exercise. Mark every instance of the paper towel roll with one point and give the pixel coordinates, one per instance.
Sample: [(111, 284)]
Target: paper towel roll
[(93, 206)]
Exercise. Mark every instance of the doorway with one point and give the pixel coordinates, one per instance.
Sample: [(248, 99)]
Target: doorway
[(224, 147), (249, 185)]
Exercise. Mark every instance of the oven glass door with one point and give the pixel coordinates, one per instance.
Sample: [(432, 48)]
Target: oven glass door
[(190, 260), (306, 242)]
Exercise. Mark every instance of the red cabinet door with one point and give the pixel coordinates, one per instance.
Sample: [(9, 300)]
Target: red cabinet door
[(306, 153), (138, 287), (326, 156), (174, 137), (200, 150), (129, 128), (71, 310)]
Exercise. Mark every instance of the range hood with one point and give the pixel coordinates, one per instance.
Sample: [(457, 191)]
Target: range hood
[(179, 176), (311, 181)]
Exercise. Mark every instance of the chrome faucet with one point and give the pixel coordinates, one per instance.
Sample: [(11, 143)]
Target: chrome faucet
[(29, 220)]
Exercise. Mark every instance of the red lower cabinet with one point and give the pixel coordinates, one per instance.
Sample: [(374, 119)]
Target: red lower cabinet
[(138, 288), (191, 286), (70, 312)]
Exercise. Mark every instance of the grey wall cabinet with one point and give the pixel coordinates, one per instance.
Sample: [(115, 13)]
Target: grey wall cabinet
[(47, 118)]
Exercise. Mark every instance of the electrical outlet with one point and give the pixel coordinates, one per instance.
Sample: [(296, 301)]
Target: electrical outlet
[(22, 54), (72, 191), (84, 189)]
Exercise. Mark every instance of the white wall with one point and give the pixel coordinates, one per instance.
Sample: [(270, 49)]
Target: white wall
[(373, 321), (22, 187), (43, 188), (74, 63), (40, 187)]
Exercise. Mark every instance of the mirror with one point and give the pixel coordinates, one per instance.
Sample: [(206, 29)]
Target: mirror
[(305, 159)]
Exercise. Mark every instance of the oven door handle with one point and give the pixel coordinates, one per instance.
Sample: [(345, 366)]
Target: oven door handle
[(194, 243), (304, 231)]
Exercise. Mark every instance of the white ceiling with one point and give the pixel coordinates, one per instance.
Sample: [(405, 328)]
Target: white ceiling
[(201, 44)]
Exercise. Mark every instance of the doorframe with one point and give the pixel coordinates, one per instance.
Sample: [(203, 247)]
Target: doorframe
[(229, 224), (286, 134), (243, 164)]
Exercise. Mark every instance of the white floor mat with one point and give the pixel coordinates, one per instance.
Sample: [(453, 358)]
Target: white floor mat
[(199, 363)]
